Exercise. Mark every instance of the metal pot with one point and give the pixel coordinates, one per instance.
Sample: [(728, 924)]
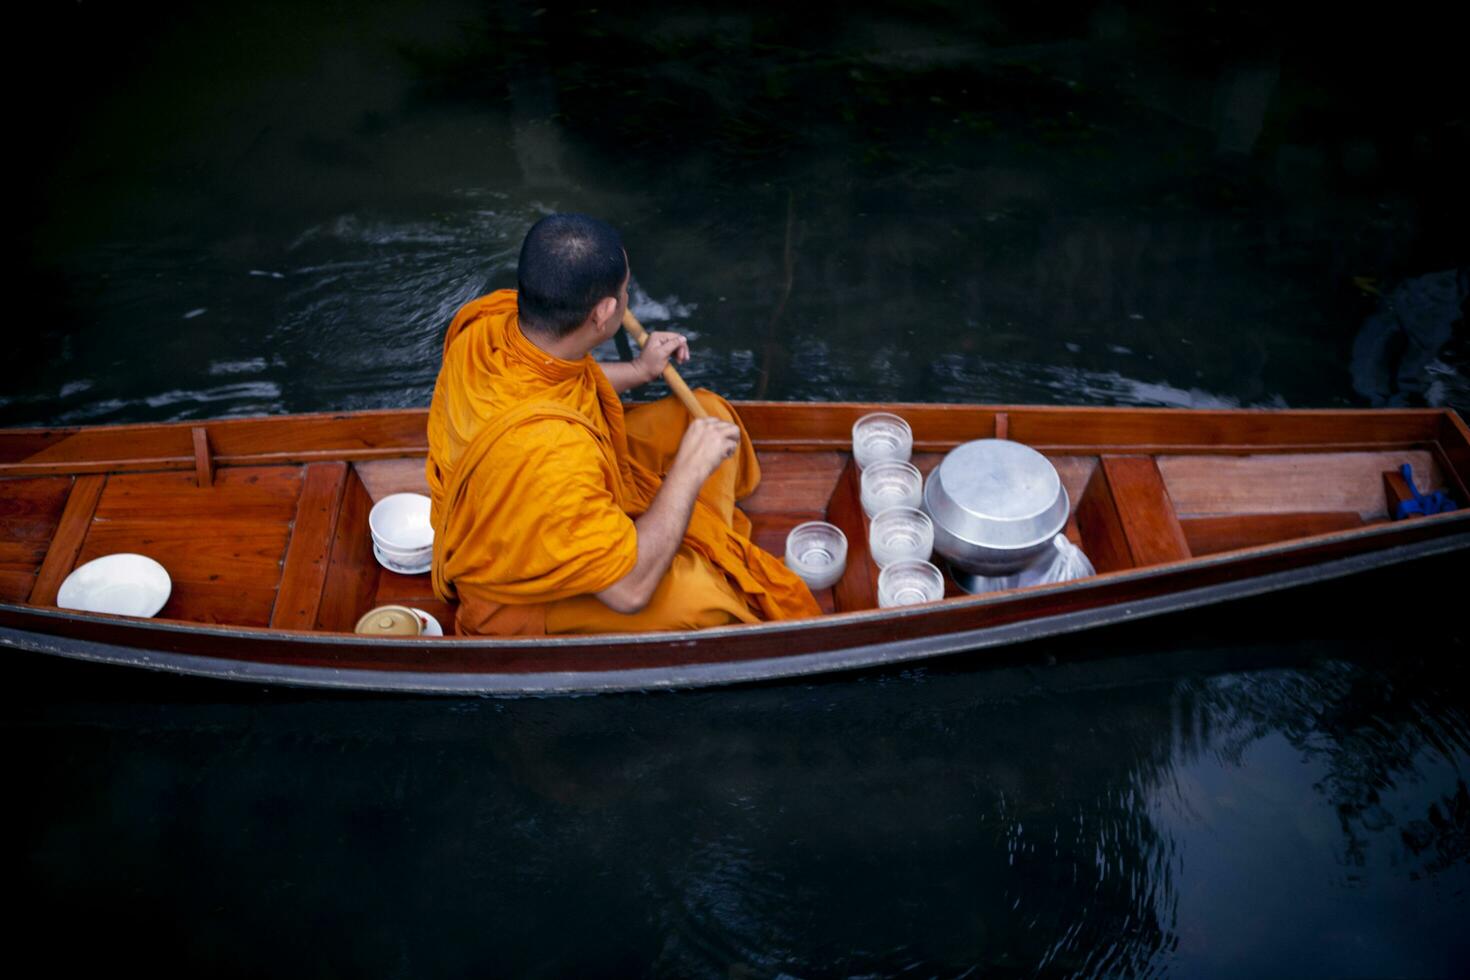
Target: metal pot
[(996, 506)]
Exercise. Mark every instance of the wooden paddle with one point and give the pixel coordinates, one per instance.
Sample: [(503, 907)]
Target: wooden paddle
[(671, 376)]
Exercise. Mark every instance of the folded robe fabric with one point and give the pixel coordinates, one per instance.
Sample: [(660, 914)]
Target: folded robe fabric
[(536, 477)]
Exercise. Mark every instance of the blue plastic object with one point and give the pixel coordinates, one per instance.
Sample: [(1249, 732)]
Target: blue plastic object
[(1437, 502)]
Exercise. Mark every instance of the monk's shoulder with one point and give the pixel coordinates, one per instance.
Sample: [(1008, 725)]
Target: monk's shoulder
[(546, 443)]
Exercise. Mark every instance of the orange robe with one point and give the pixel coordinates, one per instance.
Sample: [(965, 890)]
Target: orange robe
[(535, 479)]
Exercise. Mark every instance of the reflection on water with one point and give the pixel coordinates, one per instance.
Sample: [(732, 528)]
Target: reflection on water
[(1167, 799)]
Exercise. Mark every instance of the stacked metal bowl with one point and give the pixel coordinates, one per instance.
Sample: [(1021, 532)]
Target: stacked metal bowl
[(996, 507)]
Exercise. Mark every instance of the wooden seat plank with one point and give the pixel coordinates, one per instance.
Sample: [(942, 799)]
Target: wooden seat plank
[(203, 551), (71, 535), (1144, 510), (352, 572), (382, 477), (251, 494), (304, 572)]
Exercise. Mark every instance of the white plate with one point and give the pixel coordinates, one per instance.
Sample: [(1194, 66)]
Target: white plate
[(123, 584), (431, 625), (401, 569)]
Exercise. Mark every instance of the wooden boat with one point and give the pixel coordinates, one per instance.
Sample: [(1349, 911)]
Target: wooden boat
[(262, 525)]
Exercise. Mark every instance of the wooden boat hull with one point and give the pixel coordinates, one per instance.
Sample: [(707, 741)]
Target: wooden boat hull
[(1145, 558), (570, 665)]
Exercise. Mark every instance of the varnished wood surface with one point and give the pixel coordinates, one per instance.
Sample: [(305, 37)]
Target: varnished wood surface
[(1101, 529), (1277, 503), (203, 456), (30, 510), (1145, 511), (222, 545), (858, 587), (795, 482), (304, 571), (1264, 484), (352, 571), (16, 584), (1453, 447), (1395, 491), (772, 425), (1212, 535), (240, 495), (71, 534), (382, 477)]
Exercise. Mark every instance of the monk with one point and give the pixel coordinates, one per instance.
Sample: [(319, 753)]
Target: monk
[(554, 510)]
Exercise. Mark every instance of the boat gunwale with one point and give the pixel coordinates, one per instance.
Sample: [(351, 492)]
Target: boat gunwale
[(773, 426)]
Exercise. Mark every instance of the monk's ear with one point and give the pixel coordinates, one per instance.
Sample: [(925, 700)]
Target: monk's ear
[(604, 312)]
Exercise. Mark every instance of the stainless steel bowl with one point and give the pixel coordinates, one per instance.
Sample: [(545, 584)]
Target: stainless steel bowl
[(996, 506)]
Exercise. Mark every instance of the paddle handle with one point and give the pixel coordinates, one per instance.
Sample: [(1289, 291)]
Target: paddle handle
[(671, 377)]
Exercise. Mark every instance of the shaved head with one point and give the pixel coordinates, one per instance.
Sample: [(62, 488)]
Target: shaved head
[(569, 262)]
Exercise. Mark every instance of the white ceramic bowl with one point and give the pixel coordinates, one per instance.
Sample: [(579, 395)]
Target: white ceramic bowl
[(412, 566), (411, 556), (124, 584), (817, 552), (881, 435), (400, 521)]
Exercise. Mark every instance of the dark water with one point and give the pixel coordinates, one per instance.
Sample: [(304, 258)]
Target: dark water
[(275, 207), (1190, 798)]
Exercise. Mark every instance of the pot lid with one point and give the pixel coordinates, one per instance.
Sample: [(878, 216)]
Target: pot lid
[(999, 480)]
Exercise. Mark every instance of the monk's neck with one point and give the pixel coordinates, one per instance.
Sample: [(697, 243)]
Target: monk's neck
[(569, 348)]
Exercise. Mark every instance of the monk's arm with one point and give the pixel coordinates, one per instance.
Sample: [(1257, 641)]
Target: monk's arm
[(706, 444), (650, 362)]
